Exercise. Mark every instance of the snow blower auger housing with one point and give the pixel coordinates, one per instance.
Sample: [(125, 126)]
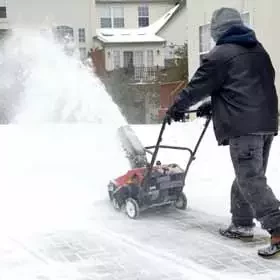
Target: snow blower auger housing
[(152, 184)]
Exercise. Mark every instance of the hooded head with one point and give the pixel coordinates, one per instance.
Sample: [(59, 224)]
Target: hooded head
[(222, 20), (227, 26)]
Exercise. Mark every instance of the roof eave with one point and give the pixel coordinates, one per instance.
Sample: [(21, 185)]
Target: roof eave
[(181, 4), (131, 42)]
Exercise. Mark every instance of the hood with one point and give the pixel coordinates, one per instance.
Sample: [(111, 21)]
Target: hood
[(239, 35)]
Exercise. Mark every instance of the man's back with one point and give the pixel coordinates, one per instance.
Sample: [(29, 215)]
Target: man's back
[(247, 100)]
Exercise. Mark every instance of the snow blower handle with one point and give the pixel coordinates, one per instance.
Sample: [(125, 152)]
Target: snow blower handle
[(167, 119), (158, 146), (203, 111)]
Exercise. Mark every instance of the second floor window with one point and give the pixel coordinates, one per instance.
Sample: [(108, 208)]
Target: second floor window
[(143, 16), (246, 18), (3, 12), (64, 32), (204, 41), (204, 38), (112, 17)]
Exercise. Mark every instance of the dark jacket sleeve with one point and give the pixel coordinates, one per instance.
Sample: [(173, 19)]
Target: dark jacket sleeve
[(207, 79)]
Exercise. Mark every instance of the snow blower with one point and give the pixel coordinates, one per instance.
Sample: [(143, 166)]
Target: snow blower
[(150, 184)]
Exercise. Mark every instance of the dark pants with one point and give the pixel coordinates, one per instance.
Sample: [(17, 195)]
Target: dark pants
[(251, 197)]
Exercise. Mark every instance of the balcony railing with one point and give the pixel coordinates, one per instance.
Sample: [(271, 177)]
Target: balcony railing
[(142, 73)]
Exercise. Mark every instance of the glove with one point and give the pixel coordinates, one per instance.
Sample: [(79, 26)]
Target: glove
[(204, 110), (175, 114)]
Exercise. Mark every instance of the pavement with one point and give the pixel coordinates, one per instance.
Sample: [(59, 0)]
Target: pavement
[(161, 244)]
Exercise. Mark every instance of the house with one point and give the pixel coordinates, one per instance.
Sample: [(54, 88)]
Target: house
[(130, 14), (71, 18), (143, 49), (262, 16)]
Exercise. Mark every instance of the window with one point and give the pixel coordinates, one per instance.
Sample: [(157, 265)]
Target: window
[(204, 40), (83, 53), (246, 18), (118, 17), (3, 33), (150, 58), (82, 35), (139, 58), (143, 16), (117, 59), (127, 59), (149, 72), (139, 65), (3, 12), (106, 20), (112, 17), (63, 32)]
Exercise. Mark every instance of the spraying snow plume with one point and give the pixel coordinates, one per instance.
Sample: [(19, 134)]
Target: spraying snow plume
[(60, 149), (45, 84)]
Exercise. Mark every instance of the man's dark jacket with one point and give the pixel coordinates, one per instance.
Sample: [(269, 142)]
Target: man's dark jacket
[(239, 77)]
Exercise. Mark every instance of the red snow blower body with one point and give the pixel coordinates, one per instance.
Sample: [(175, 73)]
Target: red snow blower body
[(150, 184)]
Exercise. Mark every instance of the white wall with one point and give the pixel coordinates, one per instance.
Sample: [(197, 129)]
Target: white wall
[(264, 19), (48, 13), (158, 58), (199, 13), (176, 30), (156, 10)]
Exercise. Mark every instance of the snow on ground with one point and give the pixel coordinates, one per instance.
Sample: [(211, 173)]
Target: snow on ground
[(52, 173)]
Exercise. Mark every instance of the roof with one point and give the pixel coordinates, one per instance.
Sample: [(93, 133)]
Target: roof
[(127, 36), (161, 22), (137, 35), (134, 1)]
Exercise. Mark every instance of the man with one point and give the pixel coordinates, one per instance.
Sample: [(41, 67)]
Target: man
[(239, 77)]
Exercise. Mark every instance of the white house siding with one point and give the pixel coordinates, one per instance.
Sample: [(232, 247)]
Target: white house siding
[(158, 53), (156, 10), (199, 12), (264, 19), (43, 14), (175, 32)]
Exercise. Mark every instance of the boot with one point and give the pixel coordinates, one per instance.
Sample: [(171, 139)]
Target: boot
[(237, 232), (273, 249)]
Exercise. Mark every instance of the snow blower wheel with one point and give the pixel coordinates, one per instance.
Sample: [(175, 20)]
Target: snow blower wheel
[(181, 202), (132, 208)]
